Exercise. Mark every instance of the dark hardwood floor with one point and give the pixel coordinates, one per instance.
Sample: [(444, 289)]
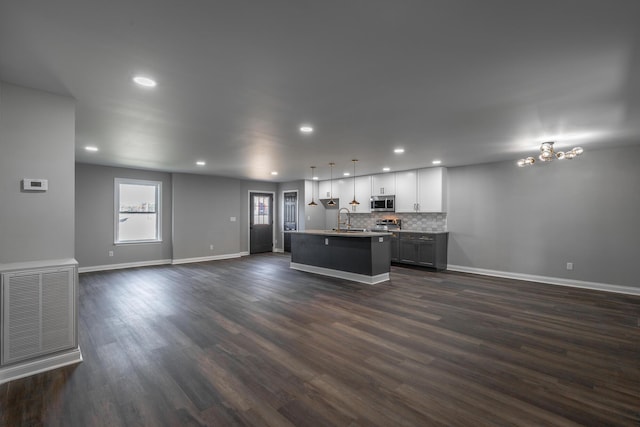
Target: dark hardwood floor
[(250, 342)]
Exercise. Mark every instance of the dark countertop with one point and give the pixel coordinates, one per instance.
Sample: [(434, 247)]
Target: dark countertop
[(343, 233), (419, 231)]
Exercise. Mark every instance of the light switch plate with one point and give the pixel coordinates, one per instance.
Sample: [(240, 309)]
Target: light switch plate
[(33, 184)]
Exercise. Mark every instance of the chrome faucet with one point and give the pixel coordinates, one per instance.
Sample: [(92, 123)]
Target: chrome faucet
[(348, 223)]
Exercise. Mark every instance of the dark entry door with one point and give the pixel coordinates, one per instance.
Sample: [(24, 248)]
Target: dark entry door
[(261, 223)]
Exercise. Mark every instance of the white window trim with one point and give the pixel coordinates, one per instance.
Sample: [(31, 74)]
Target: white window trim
[(116, 210)]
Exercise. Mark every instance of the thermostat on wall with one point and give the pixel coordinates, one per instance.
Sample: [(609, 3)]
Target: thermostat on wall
[(30, 184)]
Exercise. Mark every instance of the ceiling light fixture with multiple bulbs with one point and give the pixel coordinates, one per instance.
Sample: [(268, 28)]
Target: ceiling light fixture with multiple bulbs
[(548, 154)]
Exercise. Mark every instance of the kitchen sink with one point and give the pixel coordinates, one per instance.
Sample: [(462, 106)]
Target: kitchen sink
[(350, 230)]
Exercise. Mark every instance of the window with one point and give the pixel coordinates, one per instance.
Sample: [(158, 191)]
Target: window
[(261, 210), (138, 205)]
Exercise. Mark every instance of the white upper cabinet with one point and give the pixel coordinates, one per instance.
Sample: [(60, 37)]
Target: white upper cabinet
[(362, 194), (432, 190), (422, 190), (343, 190), (383, 184), (406, 191), (328, 189)]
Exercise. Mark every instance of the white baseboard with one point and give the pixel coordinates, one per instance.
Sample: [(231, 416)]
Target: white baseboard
[(123, 265), (29, 368), (361, 278), (548, 280), (278, 250), (206, 258), (161, 262)]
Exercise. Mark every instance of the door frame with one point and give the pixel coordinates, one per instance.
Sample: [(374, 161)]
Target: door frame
[(249, 210)]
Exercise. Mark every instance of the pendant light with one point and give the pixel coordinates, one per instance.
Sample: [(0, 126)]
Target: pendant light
[(354, 202), (313, 203), (331, 202)]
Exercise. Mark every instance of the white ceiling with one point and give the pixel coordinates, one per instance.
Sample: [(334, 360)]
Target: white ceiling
[(462, 81)]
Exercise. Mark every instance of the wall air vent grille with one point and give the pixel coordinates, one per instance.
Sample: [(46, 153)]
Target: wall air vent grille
[(57, 298), (37, 313), (23, 316)]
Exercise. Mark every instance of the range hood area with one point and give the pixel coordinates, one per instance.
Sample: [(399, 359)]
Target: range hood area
[(325, 203)]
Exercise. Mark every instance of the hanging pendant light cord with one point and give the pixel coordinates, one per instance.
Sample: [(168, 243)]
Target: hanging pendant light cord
[(354, 202)]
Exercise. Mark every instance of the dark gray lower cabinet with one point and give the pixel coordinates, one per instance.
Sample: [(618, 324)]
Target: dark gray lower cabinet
[(287, 242), (425, 249), (395, 250)]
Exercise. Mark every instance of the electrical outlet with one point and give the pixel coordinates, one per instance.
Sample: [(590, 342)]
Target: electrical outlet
[(210, 247), (110, 253), (569, 266), (326, 241)]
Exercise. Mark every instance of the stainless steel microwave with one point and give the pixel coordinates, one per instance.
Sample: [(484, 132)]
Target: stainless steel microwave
[(383, 204)]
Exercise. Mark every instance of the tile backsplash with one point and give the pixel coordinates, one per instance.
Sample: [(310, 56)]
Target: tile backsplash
[(410, 221)]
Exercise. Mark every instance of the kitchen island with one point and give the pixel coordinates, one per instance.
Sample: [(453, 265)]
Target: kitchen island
[(361, 256)]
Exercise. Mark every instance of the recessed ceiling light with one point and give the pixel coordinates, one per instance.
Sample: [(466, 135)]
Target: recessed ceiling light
[(315, 178), (91, 148), (346, 174), (306, 129), (386, 169), (144, 81), (201, 163), (274, 173), (437, 162), (398, 150)]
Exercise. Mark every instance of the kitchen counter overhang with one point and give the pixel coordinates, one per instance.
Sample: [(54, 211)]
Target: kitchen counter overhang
[(361, 256)]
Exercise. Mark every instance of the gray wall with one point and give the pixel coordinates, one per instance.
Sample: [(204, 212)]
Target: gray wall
[(534, 220), (203, 206), (314, 215), (95, 217), (37, 140), (197, 211)]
